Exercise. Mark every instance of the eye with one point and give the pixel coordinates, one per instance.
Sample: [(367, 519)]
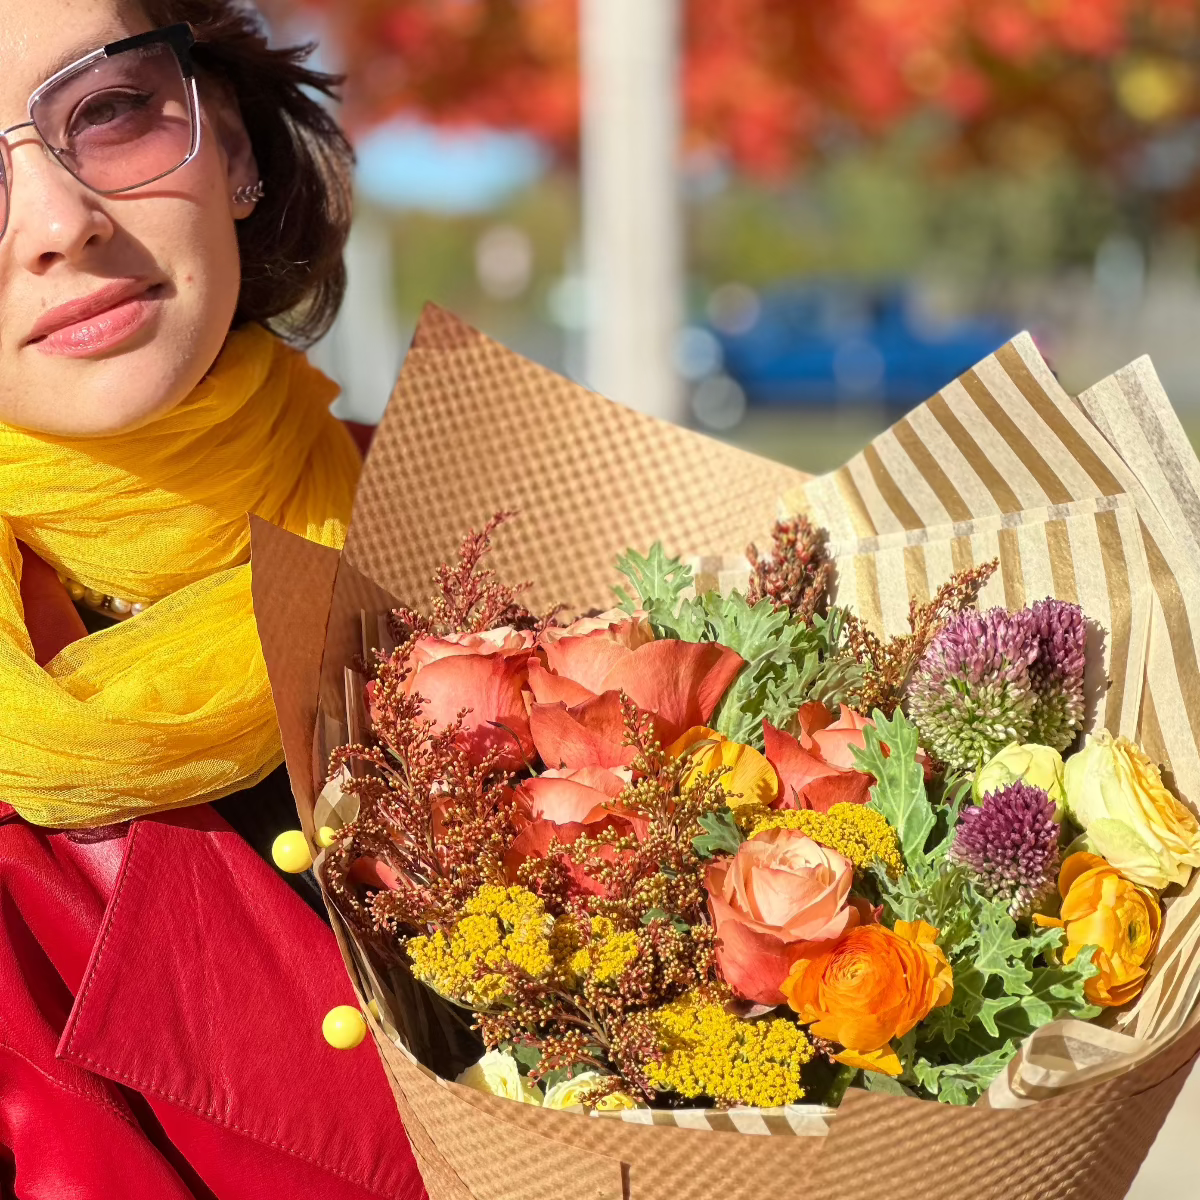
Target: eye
[(105, 108)]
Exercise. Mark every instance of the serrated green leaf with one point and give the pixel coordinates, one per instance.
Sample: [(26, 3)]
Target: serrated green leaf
[(998, 952), (721, 835), (899, 791)]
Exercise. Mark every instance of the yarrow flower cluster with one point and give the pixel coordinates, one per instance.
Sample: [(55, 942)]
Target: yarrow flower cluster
[(707, 1051), (856, 832), (998, 677), (1010, 844)]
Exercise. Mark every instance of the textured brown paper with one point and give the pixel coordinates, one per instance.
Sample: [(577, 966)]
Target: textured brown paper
[(473, 428)]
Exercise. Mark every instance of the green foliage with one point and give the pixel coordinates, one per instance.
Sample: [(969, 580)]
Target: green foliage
[(1007, 983), (899, 791), (721, 835), (787, 663), (659, 583)]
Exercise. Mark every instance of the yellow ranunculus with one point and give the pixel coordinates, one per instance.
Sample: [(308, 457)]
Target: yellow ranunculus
[(569, 1092), (1116, 795), (497, 1074), (1122, 920), (1038, 766), (750, 779)]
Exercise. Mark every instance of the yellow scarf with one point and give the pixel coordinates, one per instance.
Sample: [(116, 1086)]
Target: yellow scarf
[(172, 706)]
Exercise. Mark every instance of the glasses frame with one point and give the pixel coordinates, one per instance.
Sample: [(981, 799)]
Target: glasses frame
[(180, 37)]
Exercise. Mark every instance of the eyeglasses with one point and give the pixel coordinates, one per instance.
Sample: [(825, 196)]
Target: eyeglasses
[(119, 117)]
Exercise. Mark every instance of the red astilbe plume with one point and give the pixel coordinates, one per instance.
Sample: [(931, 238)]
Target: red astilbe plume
[(888, 665), (796, 575), (433, 825), (468, 597)]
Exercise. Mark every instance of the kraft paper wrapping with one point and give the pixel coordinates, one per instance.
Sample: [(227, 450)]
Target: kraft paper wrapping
[(1002, 463)]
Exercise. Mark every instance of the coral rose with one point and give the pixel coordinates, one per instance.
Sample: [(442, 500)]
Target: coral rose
[(485, 673), (748, 777), (817, 770), (590, 734), (564, 797), (680, 683), (1121, 919), (869, 986), (778, 893)]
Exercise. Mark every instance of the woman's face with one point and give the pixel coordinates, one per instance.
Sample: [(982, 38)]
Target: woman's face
[(172, 242)]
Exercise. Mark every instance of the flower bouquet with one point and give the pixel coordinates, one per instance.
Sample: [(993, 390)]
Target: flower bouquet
[(680, 843)]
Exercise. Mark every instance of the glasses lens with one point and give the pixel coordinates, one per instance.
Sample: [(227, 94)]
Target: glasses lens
[(120, 121)]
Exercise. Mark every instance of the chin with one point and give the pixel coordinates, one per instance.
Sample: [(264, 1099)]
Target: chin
[(127, 388)]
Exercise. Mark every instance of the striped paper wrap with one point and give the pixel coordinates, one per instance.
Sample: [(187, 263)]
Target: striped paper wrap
[(1095, 500)]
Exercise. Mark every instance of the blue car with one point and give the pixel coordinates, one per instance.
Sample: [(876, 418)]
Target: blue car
[(824, 344)]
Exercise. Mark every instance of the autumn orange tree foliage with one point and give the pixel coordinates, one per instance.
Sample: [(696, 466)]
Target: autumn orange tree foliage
[(765, 82)]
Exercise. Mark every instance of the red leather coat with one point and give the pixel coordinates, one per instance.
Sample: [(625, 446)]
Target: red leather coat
[(161, 997)]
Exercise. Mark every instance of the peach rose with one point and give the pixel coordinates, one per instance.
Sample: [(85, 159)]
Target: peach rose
[(485, 673), (778, 893), (869, 986), (680, 683), (1121, 919), (817, 770)]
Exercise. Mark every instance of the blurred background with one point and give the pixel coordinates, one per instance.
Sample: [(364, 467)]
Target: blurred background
[(783, 222)]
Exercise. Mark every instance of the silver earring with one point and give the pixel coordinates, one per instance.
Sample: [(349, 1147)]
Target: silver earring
[(248, 192)]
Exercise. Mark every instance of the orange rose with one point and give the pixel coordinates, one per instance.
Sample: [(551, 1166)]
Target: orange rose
[(871, 985), (484, 673), (583, 795), (575, 667), (817, 770), (1121, 919)]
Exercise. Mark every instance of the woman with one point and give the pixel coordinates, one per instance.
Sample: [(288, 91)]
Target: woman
[(169, 191)]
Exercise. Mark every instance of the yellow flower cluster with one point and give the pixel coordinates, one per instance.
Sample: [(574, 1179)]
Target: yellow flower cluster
[(710, 1052), (503, 927), (607, 954), (855, 831), (499, 926)]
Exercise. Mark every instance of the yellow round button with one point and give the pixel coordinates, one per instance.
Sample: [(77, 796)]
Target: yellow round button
[(326, 836), (290, 852), (344, 1027)]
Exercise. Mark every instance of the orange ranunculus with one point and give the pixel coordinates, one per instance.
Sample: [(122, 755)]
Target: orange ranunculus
[(779, 892), (582, 795), (748, 778), (817, 770), (1121, 919), (870, 985), (679, 683), (485, 673)]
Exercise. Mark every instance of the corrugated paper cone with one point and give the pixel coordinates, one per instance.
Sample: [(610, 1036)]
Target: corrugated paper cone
[(1095, 500)]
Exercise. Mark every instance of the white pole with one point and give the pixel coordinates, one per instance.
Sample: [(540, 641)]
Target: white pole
[(632, 239)]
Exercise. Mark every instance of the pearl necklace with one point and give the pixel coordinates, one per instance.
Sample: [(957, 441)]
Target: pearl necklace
[(111, 606)]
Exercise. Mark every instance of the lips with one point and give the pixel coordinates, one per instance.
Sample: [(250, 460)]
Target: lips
[(74, 311)]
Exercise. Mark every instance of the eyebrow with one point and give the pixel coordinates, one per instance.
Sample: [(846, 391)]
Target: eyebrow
[(80, 50)]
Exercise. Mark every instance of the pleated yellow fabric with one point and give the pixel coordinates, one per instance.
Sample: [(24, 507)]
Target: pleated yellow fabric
[(172, 706)]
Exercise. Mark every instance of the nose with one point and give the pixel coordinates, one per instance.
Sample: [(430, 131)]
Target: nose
[(52, 216)]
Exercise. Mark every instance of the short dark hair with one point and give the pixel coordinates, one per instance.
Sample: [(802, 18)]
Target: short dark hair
[(293, 270)]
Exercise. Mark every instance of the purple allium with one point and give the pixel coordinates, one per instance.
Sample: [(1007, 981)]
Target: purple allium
[(1057, 673), (971, 693), (1009, 843)]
